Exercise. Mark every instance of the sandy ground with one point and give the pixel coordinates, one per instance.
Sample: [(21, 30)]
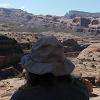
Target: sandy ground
[(96, 91), (9, 86)]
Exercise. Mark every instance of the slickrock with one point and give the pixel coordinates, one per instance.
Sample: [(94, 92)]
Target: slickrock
[(89, 61), (9, 86)]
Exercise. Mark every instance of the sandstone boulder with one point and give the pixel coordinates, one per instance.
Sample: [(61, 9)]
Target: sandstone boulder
[(9, 72), (10, 52), (89, 61), (95, 22), (85, 22), (71, 45)]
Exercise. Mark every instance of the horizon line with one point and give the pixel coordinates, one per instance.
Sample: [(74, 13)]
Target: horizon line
[(31, 12)]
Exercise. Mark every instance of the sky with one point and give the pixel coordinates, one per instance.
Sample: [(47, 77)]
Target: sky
[(52, 7)]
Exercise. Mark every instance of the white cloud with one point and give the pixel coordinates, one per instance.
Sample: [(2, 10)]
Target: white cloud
[(22, 7), (5, 5)]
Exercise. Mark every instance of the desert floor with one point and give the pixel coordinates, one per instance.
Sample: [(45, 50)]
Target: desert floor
[(9, 86)]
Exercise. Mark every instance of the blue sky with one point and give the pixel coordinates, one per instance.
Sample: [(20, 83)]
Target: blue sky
[(53, 7)]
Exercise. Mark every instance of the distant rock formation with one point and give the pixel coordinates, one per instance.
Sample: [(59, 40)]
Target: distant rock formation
[(19, 20), (84, 22), (75, 13), (22, 21)]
